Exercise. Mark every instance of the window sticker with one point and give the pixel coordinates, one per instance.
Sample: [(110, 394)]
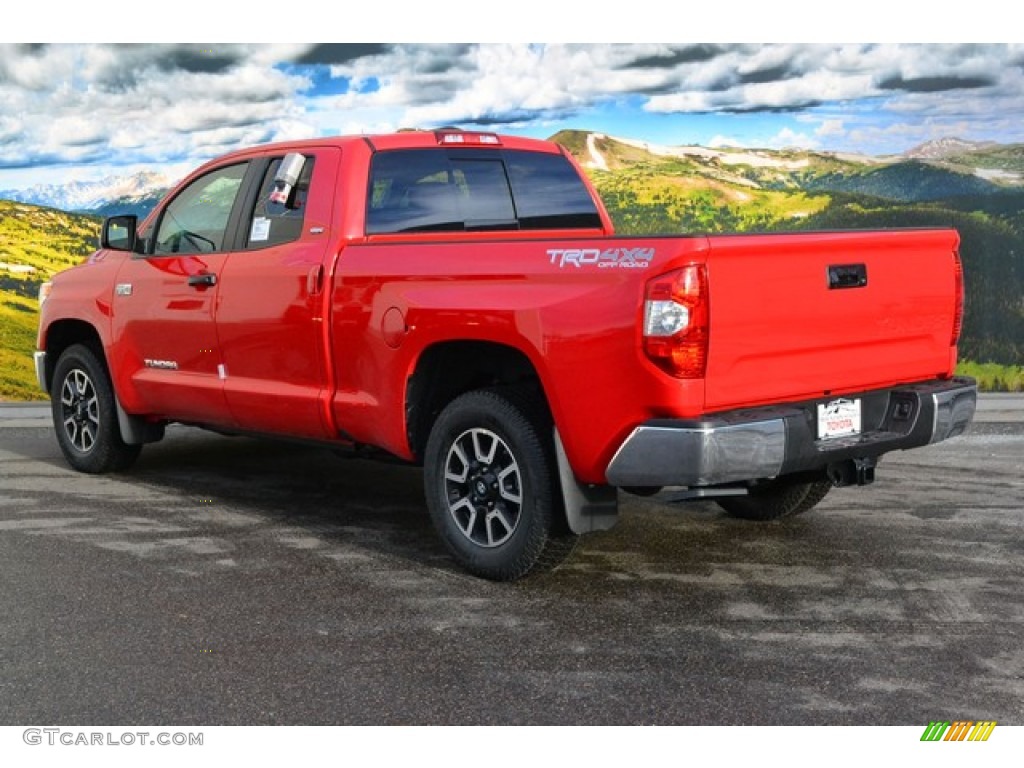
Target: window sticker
[(260, 229)]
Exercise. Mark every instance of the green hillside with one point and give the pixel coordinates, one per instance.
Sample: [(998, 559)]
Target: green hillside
[(1004, 157), (907, 182), (672, 198), (44, 238), (35, 244)]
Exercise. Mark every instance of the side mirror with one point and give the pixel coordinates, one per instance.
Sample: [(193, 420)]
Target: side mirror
[(118, 233)]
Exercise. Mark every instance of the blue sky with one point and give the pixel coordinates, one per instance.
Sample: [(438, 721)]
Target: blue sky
[(81, 112)]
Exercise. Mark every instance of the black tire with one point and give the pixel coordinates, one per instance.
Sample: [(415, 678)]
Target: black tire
[(492, 489), (776, 499), (85, 416)]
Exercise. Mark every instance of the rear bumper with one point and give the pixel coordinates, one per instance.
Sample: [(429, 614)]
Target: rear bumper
[(767, 442)]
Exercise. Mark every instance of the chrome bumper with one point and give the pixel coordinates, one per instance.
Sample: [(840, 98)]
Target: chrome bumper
[(954, 411), (772, 441), (40, 361)]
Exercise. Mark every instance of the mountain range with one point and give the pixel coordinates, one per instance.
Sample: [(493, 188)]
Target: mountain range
[(935, 170), (136, 193), (950, 146)]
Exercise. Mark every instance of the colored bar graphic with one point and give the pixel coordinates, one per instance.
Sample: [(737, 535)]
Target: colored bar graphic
[(982, 730), (958, 730), (935, 730)]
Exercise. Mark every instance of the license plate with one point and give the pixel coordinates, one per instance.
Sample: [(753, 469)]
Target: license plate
[(838, 418)]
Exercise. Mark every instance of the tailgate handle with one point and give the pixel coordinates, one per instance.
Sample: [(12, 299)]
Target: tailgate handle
[(847, 276)]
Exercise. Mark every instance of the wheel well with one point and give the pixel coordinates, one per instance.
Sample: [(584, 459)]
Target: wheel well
[(61, 335), (445, 371)]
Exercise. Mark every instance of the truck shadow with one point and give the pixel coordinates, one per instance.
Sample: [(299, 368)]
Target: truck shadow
[(303, 490)]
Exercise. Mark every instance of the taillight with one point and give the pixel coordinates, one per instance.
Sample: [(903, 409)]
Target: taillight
[(958, 309), (676, 322)]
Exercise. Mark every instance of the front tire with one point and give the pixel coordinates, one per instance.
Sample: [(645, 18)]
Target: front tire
[(491, 489), (775, 499), (85, 414)]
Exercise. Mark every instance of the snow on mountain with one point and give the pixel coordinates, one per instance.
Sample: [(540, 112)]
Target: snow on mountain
[(937, 149), (596, 158), (92, 195), (726, 155)]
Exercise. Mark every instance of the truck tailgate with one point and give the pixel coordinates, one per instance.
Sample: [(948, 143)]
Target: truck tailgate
[(806, 316)]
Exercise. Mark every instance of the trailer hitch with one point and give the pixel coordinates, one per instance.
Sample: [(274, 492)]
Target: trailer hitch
[(853, 471)]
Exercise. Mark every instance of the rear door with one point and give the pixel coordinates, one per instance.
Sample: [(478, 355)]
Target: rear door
[(816, 314), (270, 312)]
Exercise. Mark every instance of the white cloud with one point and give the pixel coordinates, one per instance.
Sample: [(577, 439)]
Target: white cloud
[(787, 138), (830, 127), (719, 142), (126, 104)]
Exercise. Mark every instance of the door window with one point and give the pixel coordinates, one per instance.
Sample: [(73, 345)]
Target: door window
[(196, 221), (272, 222)]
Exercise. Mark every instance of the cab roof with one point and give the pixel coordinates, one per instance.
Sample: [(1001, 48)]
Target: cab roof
[(450, 137)]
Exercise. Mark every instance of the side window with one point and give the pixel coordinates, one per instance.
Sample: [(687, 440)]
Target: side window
[(430, 190), (273, 222), (484, 196), (412, 191), (197, 219), (549, 193)]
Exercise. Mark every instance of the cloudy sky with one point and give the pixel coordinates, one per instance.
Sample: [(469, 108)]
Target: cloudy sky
[(76, 112)]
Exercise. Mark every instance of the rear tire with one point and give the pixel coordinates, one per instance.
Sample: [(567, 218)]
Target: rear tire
[(776, 499), (491, 487), (85, 414)]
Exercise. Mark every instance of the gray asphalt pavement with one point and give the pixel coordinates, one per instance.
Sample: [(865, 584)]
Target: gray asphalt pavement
[(233, 581)]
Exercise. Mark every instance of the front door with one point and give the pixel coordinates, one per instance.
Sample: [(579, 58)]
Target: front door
[(165, 302)]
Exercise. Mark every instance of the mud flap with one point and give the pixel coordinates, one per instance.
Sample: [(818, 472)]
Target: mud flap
[(588, 508), (136, 430)]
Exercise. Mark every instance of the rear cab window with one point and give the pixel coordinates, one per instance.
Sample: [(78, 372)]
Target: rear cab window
[(446, 190)]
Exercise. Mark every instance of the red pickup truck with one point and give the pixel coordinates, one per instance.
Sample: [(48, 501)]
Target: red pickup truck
[(458, 300)]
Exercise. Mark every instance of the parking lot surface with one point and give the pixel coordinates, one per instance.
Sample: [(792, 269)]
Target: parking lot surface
[(234, 581)]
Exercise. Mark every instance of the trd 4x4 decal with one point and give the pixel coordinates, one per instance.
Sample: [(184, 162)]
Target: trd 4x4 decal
[(613, 258)]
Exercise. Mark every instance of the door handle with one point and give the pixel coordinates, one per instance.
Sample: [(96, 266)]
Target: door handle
[(202, 280)]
